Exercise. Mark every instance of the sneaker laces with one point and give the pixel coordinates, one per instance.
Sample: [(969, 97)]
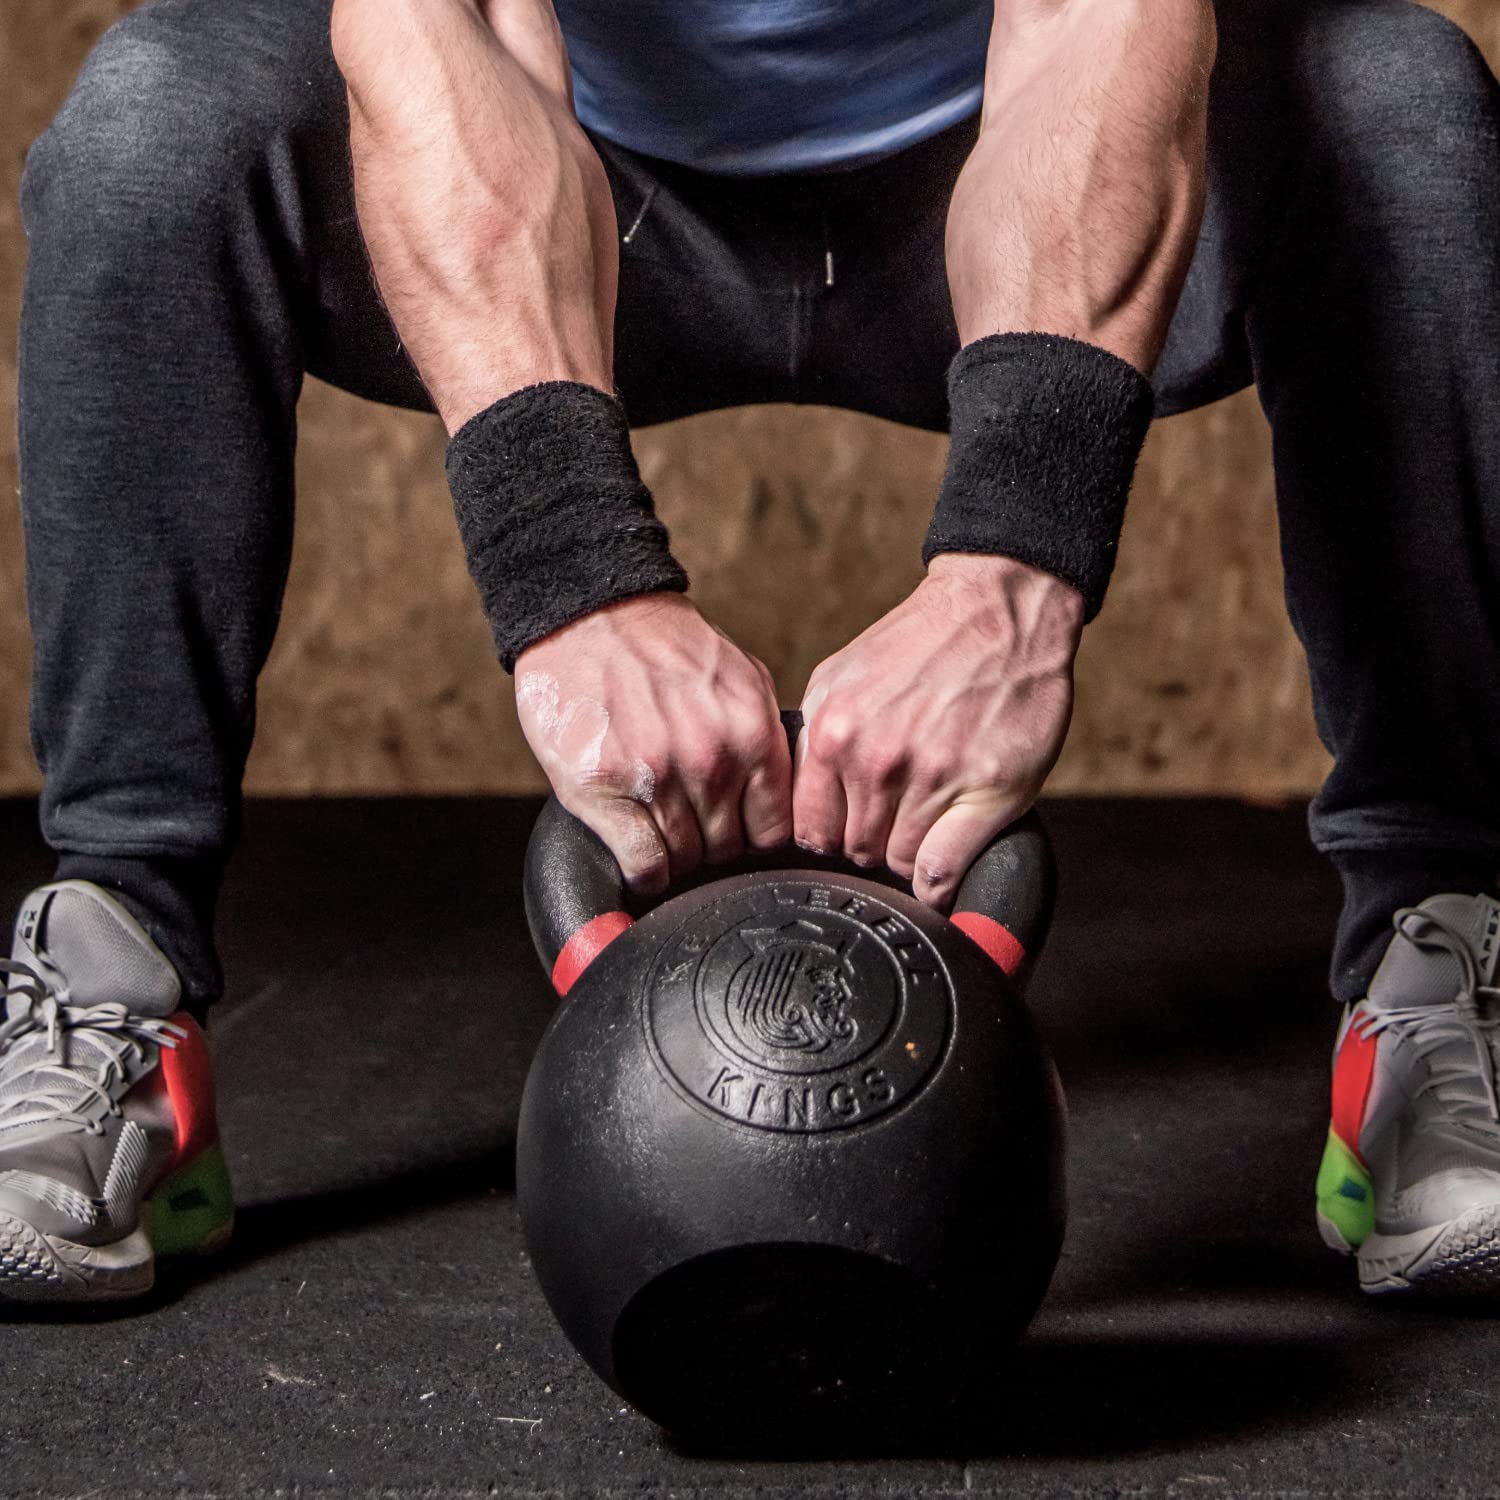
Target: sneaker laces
[(59, 1063), (1431, 1027)]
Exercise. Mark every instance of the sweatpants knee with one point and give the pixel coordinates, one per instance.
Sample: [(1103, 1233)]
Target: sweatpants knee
[(1395, 71), (172, 110)]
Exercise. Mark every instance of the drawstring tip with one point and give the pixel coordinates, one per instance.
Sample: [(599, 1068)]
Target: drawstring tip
[(828, 268)]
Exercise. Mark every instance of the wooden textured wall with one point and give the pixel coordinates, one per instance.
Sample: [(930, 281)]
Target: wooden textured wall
[(383, 679)]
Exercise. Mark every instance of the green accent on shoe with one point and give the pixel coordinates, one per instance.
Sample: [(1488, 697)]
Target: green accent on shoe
[(193, 1209), (1346, 1195)]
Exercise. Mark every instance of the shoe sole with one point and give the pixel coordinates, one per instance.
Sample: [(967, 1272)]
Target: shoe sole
[(190, 1213), (1459, 1258)]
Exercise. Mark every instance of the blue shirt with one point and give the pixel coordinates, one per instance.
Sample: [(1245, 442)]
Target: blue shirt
[(758, 86)]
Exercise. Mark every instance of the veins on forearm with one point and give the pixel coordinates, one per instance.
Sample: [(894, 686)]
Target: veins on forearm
[(1079, 208)]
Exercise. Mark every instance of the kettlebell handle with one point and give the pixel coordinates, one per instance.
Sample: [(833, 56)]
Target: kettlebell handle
[(576, 895)]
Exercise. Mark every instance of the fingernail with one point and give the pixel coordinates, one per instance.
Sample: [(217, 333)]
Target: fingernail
[(811, 848)]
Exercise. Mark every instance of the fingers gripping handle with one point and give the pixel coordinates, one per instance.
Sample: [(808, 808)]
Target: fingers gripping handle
[(1005, 901), (576, 904), (575, 893)]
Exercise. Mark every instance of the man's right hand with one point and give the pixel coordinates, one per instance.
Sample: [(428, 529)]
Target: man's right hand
[(660, 734)]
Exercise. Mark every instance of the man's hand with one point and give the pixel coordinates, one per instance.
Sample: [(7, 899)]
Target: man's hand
[(936, 728), (657, 731)]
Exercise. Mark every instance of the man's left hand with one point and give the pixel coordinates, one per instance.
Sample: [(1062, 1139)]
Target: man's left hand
[(936, 728)]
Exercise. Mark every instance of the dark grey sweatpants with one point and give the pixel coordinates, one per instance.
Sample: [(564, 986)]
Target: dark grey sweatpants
[(194, 251)]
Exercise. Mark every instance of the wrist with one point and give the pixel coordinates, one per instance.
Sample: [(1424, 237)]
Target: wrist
[(555, 520), (988, 581), (1046, 433), (993, 573), (620, 615)]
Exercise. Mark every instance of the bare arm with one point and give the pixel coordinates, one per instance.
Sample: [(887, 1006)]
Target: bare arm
[(1079, 208), (1076, 214), (485, 208), (492, 234)]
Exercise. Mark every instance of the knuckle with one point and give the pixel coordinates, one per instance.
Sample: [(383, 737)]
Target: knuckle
[(719, 817), (883, 766), (679, 827), (873, 772), (924, 768), (995, 770), (607, 779), (640, 854), (709, 764), (722, 826), (833, 735), (865, 838), (760, 738), (928, 786), (770, 834)]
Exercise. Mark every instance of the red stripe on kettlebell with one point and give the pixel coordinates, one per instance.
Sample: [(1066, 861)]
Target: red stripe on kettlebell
[(999, 942), (585, 946)]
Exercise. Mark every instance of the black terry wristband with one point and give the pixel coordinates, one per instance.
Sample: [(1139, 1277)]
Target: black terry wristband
[(554, 518), (1046, 434)]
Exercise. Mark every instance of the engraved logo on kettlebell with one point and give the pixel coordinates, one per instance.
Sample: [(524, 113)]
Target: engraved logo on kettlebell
[(793, 994), (798, 1006)]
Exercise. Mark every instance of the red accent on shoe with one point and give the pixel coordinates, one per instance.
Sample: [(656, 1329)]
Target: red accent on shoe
[(998, 941), (190, 1086), (1353, 1073), (585, 946)]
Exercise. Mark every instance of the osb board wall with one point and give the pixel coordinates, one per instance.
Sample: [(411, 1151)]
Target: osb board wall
[(798, 525)]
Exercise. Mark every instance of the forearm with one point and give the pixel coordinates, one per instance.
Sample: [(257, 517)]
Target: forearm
[(1079, 208), (485, 209)]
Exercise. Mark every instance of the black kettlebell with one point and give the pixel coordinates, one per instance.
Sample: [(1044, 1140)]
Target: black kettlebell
[(790, 1155)]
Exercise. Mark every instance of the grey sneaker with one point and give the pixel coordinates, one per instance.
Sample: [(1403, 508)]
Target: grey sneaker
[(1410, 1180), (109, 1150)]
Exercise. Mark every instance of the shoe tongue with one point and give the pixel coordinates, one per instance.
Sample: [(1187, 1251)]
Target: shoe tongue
[(93, 950), (1413, 975)]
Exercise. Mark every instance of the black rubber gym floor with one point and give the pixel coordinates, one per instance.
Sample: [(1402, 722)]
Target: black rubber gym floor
[(375, 1327)]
